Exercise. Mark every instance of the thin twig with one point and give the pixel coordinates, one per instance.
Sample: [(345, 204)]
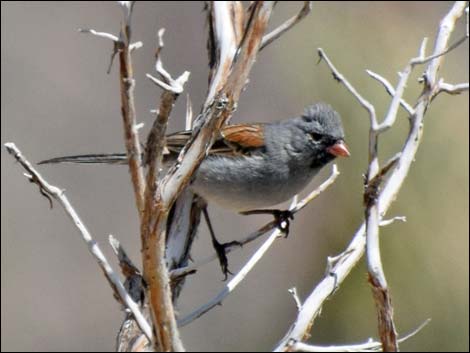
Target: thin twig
[(93, 247), (104, 35), (311, 307), (134, 283), (341, 79), (391, 114), (390, 90), (189, 114), (296, 298), (189, 269), (369, 346), (452, 89), (127, 83), (386, 222), (438, 54), (279, 31), (124, 47), (127, 266), (314, 194), (233, 282)]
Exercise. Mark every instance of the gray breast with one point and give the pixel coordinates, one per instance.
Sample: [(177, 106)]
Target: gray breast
[(246, 183)]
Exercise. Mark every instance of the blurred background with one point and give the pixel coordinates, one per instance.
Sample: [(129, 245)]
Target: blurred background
[(57, 99)]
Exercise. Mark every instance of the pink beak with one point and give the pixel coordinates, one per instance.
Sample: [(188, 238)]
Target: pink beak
[(339, 149)]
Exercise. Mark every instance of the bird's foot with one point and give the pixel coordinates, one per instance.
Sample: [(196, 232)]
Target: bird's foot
[(221, 250), (282, 218)]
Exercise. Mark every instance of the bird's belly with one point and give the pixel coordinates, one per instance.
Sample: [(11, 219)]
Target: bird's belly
[(243, 186)]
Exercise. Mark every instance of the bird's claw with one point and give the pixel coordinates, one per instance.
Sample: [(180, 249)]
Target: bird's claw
[(282, 219), (220, 249)]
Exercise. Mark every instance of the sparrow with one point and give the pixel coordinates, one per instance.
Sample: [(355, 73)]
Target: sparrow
[(254, 166)]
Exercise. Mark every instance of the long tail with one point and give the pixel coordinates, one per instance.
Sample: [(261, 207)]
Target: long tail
[(111, 158)]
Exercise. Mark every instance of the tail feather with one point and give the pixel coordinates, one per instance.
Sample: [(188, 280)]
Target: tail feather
[(111, 158)]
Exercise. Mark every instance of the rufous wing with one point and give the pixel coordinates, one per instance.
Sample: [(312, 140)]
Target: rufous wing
[(245, 136), (232, 138)]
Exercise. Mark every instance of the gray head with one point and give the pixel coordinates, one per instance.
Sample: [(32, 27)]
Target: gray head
[(317, 135), (320, 118)]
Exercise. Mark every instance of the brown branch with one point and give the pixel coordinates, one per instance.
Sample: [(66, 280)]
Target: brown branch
[(383, 302), (131, 137), (214, 115), (153, 243), (124, 47), (154, 270)]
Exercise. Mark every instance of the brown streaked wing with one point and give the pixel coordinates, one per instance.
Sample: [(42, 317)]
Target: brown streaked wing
[(241, 136), (176, 141), (244, 135)]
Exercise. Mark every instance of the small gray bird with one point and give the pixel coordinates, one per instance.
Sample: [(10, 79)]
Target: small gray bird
[(254, 166)]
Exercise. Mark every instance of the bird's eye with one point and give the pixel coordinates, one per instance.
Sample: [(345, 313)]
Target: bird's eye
[(316, 136)]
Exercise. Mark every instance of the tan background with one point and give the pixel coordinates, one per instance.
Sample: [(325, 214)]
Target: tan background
[(57, 99)]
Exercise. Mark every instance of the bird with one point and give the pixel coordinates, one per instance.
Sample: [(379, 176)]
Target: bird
[(253, 166)]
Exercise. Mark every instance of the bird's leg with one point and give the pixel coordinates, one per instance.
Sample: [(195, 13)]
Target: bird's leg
[(220, 248), (282, 218)]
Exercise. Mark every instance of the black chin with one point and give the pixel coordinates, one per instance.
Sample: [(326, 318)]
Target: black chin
[(321, 159)]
